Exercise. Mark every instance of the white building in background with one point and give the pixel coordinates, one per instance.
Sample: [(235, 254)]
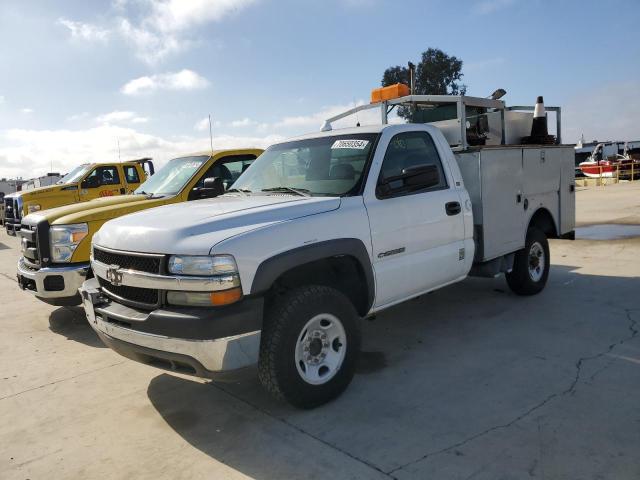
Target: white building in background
[(48, 179), (10, 185)]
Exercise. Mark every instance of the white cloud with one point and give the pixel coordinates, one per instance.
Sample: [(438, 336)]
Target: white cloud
[(166, 25), (315, 120), (26, 110), (115, 116), (203, 125), (77, 116), (491, 6), (150, 45), (28, 153), (121, 116), (179, 15), (608, 112), (85, 31), (182, 80), (245, 122)]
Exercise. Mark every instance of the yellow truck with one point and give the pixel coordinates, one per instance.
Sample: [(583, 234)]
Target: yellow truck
[(56, 243), (85, 182)]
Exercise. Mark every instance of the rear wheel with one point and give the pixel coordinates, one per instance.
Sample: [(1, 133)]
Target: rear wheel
[(309, 346), (531, 265)]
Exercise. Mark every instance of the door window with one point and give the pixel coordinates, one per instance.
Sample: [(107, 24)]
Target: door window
[(131, 174), (410, 150), (229, 169), (103, 176)]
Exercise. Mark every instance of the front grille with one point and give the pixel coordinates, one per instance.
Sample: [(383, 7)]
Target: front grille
[(137, 295), (30, 252), (8, 208), (129, 261)]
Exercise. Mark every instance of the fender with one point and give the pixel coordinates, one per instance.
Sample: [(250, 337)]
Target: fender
[(272, 268)]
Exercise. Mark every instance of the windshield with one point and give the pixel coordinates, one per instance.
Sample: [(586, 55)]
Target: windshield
[(325, 166), (172, 178), (74, 175)]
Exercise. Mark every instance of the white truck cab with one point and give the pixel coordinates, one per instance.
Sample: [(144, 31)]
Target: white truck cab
[(320, 231)]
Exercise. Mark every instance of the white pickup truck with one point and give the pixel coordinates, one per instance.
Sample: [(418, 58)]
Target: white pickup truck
[(319, 232)]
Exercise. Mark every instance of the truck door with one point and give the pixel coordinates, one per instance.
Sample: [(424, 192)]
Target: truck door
[(417, 234), (102, 181), (131, 178)]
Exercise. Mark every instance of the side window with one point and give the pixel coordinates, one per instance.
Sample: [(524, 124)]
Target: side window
[(131, 174), (407, 152), (102, 176), (229, 169)]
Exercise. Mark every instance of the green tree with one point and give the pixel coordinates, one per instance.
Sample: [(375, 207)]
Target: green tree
[(436, 74)]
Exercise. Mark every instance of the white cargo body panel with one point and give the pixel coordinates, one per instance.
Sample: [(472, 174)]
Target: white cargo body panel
[(508, 185)]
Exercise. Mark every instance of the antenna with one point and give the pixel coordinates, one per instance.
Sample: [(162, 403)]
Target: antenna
[(357, 115), (210, 133), (118, 140)]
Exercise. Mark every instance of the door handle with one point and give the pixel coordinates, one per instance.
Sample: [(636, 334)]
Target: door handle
[(452, 208), (122, 191)]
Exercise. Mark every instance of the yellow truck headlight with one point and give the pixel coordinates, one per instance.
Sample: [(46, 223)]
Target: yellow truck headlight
[(65, 239), (34, 207)]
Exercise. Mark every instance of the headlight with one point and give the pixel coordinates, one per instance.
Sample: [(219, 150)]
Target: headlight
[(33, 208), (204, 265), (65, 239)]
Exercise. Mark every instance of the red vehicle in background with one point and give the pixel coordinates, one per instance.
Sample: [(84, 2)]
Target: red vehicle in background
[(626, 165)]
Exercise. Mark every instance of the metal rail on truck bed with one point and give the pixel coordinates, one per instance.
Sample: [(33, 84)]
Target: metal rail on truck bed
[(458, 141)]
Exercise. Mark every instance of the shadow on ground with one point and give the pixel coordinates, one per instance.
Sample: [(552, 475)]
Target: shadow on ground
[(72, 323), (468, 379)]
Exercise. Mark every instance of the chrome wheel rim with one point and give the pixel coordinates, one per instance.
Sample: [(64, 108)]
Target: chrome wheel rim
[(536, 261), (320, 349)]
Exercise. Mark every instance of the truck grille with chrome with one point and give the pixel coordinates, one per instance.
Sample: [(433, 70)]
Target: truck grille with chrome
[(133, 296), (29, 246)]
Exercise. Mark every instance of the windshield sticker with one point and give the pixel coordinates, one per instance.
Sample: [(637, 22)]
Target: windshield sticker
[(355, 144), (191, 165)]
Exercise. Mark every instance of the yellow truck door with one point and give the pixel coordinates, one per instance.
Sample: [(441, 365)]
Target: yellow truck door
[(133, 175), (102, 181)]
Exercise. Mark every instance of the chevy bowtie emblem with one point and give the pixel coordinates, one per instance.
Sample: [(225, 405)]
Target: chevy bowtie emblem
[(113, 275)]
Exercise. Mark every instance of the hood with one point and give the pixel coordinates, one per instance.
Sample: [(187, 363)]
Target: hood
[(80, 211), (193, 228), (100, 209), (42, 192)]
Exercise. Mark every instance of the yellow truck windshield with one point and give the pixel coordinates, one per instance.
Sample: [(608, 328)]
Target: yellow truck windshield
[(74, 175), (172, 178)]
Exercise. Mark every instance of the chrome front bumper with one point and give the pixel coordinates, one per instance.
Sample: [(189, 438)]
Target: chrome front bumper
[(33, 281), (205, 358)]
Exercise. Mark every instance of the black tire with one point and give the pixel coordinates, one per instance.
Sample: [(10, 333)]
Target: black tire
[(520, 279), (284, 322)]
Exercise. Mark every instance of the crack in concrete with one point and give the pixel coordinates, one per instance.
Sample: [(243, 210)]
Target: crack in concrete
[(60, 381), (304, 432), (9, 277), (632, 327)]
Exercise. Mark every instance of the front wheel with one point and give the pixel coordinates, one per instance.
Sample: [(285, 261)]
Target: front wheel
[(531, 265), (309, 346)]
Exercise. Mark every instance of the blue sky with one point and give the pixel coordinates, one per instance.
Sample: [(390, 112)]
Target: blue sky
[(78, 76)]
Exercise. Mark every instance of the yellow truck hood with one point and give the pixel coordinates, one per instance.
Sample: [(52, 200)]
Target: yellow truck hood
[(100, 209), (44, 192)]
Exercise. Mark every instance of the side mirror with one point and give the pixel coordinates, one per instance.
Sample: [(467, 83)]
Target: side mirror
[(90, 182), (410, 179), (213, 187)]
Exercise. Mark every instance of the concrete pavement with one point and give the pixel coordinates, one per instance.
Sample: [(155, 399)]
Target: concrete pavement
[(467, 382)]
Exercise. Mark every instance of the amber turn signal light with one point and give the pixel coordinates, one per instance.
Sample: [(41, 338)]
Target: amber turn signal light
[(226, 297)]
